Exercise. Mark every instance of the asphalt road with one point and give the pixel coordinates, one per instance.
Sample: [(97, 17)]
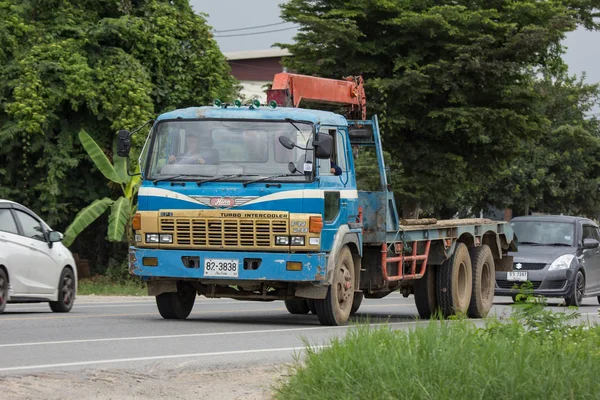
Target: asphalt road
[(123, 333)]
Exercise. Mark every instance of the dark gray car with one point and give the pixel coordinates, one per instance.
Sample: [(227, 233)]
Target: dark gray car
[(559, 255)]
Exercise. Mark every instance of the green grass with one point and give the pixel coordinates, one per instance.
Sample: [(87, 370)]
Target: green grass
[(104, 286), (535, 355)]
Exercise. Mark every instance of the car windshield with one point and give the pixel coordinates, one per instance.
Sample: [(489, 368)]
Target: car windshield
[(234, 150), (544, 233)]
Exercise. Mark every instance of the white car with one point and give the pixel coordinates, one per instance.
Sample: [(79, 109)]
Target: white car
[(34, 265)]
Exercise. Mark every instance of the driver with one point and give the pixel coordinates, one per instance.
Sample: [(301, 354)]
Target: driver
[(199, 150)]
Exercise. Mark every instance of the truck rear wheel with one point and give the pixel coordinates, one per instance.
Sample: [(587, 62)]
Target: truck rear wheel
[(176, 305), (454, 282), (297, 306), (425, 293), (335, 308), (356, 302), (484, 272)]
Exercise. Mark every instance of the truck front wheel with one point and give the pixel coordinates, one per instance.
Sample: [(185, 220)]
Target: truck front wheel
[(177, 305), (335, 308), (297, 306), (455, 282)]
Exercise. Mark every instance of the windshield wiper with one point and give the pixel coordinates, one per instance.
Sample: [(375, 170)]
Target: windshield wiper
[(266, 178), (557, 244), (223, 177), (174, 177), (531, 243)]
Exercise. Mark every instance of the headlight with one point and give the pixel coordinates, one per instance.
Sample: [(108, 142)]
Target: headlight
[(562, 262), (282, 240), (297, 240), (151, 237), (166, 238)]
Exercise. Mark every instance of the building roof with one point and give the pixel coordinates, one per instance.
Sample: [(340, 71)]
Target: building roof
[(254, 54)]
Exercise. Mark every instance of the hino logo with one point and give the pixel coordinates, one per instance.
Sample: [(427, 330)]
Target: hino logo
[(222, 202), (519, 266)]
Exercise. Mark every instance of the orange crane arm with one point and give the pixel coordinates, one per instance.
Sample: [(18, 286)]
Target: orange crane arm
[(290, 89)]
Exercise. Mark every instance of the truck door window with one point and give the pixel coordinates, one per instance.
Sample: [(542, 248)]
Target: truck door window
[(324, 166)]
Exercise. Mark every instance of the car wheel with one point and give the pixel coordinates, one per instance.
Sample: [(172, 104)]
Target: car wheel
[(3, 290), (66, 292), (577, 291)]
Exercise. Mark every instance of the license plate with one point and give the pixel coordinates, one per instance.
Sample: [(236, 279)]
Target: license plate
[(519, 276), (221, 267)]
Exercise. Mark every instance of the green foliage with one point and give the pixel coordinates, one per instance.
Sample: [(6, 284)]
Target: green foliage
[(97, 66), (452, 81), (535, 354), (121, 210), (111, 285)]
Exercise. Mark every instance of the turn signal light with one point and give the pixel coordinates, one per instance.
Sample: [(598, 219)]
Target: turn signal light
[(137, 222), (315, 224), (150, 261), (293, 266)]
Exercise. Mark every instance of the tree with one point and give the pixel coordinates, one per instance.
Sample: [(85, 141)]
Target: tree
[(451, 81), (97, 66), (559, 172)]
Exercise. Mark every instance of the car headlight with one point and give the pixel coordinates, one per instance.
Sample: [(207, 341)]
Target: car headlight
[(562, 262), (297, 240), (282, 240), (152, 237), (166, 238)]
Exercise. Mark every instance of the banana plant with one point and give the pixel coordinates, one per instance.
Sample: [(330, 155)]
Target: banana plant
[(121, 209)]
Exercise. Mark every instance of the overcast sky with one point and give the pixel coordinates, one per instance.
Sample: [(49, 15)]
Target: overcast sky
[(582, 54)]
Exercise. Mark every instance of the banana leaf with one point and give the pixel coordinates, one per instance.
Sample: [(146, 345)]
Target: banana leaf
[(84, 218), (99, 158), (118, 219)]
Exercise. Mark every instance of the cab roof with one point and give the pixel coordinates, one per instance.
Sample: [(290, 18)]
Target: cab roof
[(262, 113)]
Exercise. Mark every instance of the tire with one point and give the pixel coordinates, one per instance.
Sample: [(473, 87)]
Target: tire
[(312, 307), (484, 273), (577, 292), (335, 309), (356, 302), (426, 294), (176, 305), (66, 292), (3, 290), (297, 306), (454, 283)]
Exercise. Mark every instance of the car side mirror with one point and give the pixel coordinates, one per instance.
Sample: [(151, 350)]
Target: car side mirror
[(590, 243), (55, 236), (123, 143), (286, 142), (323, 145)]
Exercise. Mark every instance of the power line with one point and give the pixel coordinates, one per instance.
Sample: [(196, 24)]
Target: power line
[(250, 27), (256, 33)]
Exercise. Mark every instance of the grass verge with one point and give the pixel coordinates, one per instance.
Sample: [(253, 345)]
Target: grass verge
[(104, 286), (536, 354)]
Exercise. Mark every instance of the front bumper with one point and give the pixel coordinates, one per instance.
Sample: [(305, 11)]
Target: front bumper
[(545, 283), (272, 266)]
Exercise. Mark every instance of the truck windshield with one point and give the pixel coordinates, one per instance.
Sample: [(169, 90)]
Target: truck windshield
[(544, 233), (229, 149)]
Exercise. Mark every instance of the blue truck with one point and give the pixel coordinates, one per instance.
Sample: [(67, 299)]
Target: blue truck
[(255, 202)]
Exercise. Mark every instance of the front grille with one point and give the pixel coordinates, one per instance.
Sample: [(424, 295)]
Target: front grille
[(529, 266), (556, 284), (504, 284), (223, 232)]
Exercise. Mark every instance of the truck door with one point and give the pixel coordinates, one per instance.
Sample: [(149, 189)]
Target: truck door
[(340, 193)]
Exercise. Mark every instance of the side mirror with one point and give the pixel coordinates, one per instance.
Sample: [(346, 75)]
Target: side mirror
[(286, 142), (55, 236), (123, 143), (590, 243), (292, 168), (323, 145)]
